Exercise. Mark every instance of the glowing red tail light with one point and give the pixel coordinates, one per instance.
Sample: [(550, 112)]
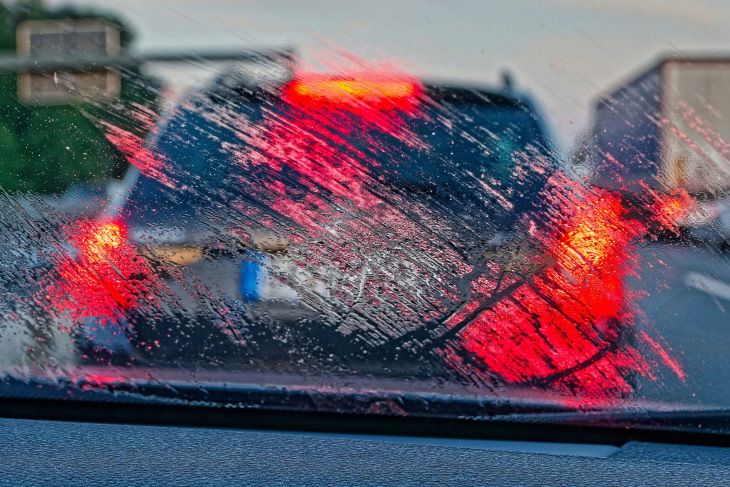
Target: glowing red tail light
[(101, 239), (373, 91), (679, 209)]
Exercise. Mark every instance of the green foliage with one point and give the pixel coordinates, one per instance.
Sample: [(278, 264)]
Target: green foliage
[(46, 149)]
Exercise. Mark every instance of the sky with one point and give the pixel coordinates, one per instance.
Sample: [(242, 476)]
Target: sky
[(564, 52)]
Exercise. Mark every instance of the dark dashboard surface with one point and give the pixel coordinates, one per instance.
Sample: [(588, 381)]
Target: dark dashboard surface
[(34, 452)]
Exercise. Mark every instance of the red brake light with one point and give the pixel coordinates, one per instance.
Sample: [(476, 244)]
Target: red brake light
[(679, 209), (591, 256), (379, 92), (593, 237), (102, 239)]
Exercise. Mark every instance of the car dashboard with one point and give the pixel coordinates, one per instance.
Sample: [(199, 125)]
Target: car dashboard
[(41, 452)]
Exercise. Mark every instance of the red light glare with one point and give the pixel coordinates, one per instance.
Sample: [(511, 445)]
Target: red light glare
[(102, 380), (560, 329), (102, 239), (374, 91), (97, 282), (591, 255), (675, 209)]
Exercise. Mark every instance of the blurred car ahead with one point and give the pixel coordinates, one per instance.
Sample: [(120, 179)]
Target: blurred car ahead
[(370, 222)]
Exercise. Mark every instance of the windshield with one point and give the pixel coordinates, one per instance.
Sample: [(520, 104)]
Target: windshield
[(288, 209)]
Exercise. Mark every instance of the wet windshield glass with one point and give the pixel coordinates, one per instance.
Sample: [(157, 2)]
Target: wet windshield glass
[(314, 217)]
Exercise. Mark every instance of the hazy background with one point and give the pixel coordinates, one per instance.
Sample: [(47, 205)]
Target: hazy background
[(565, 52)]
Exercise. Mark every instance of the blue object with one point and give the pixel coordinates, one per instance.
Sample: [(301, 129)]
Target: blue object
[(253, 273)]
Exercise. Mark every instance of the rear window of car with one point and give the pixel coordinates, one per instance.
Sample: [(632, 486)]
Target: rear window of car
[(455, 143)]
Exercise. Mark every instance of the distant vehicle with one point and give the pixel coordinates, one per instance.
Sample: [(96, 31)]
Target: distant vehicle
[(373, 221), (668, 131)]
